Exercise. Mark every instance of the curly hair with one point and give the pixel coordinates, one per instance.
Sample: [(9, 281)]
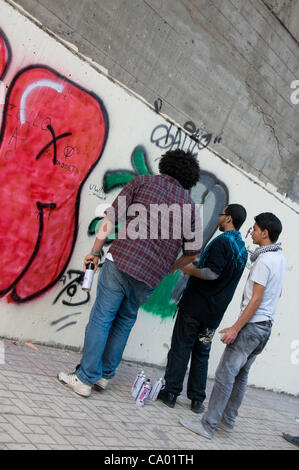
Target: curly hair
[(181, 165)]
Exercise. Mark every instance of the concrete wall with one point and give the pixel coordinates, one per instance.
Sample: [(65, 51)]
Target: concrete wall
[(70, 134), (226, 65)]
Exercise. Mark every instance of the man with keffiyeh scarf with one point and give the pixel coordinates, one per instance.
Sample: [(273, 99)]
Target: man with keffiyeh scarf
[(247, 337)]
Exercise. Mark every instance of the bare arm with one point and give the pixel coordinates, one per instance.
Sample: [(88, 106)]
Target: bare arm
[(181, 262), (230, 334), (102, 235), (203, 273)]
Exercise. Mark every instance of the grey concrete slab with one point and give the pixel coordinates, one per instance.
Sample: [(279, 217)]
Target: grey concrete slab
[(37, 412)]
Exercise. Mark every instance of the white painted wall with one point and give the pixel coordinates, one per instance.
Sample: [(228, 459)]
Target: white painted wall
[(131, 124)]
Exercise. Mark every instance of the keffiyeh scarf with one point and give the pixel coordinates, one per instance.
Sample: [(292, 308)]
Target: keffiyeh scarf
[(264, 249)]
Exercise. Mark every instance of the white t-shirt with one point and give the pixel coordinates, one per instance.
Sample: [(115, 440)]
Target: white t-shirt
[(268, 270)]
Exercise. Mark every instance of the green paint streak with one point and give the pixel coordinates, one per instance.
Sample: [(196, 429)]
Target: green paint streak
[(160, 302), (115, 179), (95, 226), (139, 162)]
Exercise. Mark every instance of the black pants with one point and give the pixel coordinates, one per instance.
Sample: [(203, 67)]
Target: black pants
[(183, 344)]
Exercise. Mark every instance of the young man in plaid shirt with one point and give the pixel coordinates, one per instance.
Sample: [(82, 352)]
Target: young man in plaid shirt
[(144, 252)]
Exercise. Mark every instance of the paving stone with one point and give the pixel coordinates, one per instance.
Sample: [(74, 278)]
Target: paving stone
[(37, 412)]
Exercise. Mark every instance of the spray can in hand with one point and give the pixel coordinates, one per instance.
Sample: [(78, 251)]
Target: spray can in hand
[(88, 277)]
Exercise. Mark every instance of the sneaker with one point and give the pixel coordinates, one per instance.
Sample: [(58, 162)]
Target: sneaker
[(101, 384), (197, 427), (75, 384), (225, 427), (292, 439), (167, 398), (197, 406)]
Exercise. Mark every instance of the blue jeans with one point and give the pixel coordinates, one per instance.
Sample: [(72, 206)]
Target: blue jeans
[(232, 374), (112, 317)]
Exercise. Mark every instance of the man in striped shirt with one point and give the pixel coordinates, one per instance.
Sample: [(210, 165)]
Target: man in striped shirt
[(145, 251)]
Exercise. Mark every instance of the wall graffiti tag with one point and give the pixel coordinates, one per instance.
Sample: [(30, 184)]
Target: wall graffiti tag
[(46, 154), (169, 137)]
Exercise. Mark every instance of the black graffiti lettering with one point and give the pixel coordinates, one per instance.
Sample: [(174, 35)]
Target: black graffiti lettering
[(207, 138), (158, 105), (46, 124), (71, 289), (164, 138), (161, 141), (26, 135), (15, 137), (69, 151), (177, 139), (189, 126), (10, 107), (6, 155)]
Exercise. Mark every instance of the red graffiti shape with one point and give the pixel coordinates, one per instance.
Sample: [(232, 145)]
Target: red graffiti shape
[(53, 133), (3, 56)]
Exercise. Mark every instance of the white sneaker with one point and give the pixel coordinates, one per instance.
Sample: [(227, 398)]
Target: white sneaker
[(197, 427), (75, 384), (101, 384), (225, 427)]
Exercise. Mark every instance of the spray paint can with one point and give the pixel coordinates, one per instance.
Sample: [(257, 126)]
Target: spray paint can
[(141, 380), (133, 389), (156, 389), (88, 277), (144, 393)]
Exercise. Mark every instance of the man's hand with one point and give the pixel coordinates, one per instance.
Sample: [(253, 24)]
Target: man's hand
[(189, 269), (181, 262), (90, 258), (229, 335)]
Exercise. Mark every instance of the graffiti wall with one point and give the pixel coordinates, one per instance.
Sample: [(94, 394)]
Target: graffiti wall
[(71, 137)]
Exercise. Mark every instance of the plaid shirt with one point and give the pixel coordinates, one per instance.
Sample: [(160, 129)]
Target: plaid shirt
[(148, 244)]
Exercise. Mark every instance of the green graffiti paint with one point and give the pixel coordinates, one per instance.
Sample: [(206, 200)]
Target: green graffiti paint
[(160, 302), (116, 179), (96, 223), (112, 179), (139, 162)]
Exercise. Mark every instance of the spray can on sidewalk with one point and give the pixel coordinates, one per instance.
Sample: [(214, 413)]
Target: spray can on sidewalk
[(156, 389), (144, 393), (134, 386), (139, 382), (88, 277)]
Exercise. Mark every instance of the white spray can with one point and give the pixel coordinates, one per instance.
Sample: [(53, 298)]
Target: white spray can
[(133, 389), (156, 389), (88, 277), (139, 384), (144, 393)]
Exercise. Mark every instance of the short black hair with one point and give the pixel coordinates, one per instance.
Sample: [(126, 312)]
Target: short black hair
[(238, 214), (181, 165), (269, 221)]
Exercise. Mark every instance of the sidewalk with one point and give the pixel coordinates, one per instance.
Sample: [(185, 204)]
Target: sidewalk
[(37, 412)]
